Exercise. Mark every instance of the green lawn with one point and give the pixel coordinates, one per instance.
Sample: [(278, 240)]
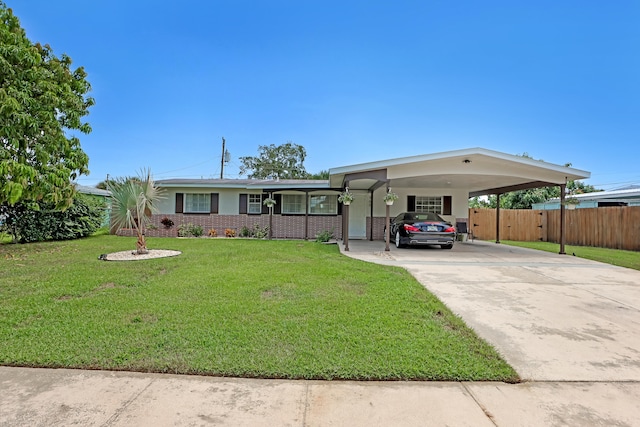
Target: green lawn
[(230, 307), (628, 259)]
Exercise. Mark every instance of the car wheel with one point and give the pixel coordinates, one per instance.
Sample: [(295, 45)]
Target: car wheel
[(449, 246), (398, 241)]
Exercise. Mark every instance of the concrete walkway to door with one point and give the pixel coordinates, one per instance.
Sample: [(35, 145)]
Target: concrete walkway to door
[(553, 317)]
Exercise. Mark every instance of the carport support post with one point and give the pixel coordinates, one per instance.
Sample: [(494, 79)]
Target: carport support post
[(498, 218), (345, 233), (563, 219), (386, 231)]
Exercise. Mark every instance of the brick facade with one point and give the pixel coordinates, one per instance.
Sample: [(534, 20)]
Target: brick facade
[(284, 226), (378, 228)]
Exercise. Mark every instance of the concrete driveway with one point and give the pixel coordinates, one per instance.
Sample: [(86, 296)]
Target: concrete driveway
[(553, 317)]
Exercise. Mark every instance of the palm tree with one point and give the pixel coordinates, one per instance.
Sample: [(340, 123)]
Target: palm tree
[(133, 203)]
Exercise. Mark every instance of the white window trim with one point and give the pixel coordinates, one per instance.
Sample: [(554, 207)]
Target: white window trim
[(440, 207), (334, 204), (257, 206), (187, 205), (285, 204)]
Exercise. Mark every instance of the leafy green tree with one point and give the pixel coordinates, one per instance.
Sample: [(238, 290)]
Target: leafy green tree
[(41, 101), (276, 162), (133, 203), (483, 202), (323, 174), (104, 185)]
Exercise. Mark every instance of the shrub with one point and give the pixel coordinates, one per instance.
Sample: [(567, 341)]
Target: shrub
[(260, 232), (197, 231), (190, 230), (229, 232), (257, 231), (42, 222), (213, 232), (166, 222), (244, 232), (324, 236)]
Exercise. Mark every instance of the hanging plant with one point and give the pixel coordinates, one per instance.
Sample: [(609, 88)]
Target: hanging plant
[(269, 202), (346, 197), (390, 197)]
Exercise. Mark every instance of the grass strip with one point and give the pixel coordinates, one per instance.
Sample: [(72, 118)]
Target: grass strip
[(619, 257)]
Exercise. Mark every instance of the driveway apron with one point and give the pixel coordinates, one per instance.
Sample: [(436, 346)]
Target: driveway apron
[(552, 317)]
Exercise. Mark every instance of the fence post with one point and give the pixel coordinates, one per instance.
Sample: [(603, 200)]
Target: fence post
[(563, 219)]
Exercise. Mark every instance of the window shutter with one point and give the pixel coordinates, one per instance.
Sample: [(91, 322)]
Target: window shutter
[(446, 205), (214, 203), (243, 204), (411, 203), (179, 202), (277, 209), (340, 208), (265, 208)]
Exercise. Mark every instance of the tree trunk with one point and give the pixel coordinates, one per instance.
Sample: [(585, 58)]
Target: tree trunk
[(141, 245)]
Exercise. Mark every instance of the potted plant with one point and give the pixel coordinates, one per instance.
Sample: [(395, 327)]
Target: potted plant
[(345, 197), (269, 202), (571, 203), (390, 197)]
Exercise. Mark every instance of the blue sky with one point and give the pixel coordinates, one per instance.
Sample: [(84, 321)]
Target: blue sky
[(351, 81)]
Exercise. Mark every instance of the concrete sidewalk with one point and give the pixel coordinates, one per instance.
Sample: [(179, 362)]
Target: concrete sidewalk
[(60, 397), (570, 327)]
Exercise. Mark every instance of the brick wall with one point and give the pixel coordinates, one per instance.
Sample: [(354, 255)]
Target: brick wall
[(378, 227), (284, 226)]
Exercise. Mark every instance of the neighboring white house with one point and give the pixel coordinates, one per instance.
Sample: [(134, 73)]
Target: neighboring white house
[(439, 182), (620, 197), (103, 195)]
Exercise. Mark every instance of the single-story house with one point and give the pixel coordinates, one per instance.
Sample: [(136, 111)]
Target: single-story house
[(621, 197), (103, 195), (439, 182)]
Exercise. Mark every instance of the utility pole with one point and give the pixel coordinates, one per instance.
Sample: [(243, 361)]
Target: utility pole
[(222, 159)]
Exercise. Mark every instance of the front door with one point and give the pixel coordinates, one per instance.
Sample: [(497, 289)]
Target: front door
[(358, 211)]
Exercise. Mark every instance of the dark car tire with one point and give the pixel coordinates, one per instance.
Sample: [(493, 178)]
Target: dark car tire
[(450, 246), (399, 243)]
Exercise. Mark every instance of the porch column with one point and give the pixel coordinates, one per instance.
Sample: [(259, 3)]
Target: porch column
[(498, 218), (371, 215), (345, 228), (563, 219), (306, 215), (386, 231), (270, 218)]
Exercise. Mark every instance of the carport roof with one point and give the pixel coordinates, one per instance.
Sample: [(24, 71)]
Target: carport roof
[(478, 170)]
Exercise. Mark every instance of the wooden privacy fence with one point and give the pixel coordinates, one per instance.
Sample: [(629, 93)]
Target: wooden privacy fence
[(606, 227)]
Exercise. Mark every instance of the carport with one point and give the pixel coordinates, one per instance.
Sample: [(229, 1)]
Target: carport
[(455, 176)]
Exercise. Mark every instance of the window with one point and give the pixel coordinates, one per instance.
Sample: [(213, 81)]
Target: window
[(429, 204), (197, 203), (323, 205), (292, 203), (255, 204)]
